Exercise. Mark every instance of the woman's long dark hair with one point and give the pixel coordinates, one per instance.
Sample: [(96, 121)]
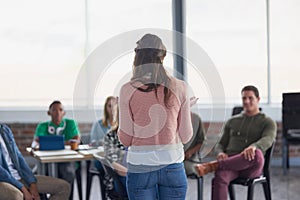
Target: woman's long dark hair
[(148, 66)]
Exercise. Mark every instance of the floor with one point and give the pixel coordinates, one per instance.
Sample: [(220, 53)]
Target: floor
[(284, 187)]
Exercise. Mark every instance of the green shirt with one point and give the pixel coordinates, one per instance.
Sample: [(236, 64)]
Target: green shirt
[(242, 131), (68, 128)]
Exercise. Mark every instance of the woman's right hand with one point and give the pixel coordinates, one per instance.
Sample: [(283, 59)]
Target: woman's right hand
[(193, 101)]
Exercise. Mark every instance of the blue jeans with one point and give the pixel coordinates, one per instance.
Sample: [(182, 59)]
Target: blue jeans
[(166, 183), (122, 179)]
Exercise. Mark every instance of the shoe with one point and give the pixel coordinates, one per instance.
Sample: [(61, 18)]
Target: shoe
[(206, 168)]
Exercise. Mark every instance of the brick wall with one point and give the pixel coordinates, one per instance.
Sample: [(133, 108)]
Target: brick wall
[(23, 133)]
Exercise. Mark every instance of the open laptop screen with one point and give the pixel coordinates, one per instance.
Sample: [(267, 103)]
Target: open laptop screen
[(52, 142)]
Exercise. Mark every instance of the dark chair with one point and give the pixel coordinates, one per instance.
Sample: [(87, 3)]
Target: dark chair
[(84, 139), (91, 172), (199, 185), (78, 181), (199, 181), (43, 197), (109, 170), (290, 125), (238, 109), (264, 179)]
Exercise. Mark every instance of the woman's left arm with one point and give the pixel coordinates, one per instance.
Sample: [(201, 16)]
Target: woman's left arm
[(184, 118), (125, 131)]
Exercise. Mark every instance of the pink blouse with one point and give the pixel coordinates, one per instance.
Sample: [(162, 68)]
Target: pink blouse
[(148, 127)]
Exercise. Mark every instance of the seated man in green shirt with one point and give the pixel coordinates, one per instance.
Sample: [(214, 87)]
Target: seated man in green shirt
[(60, 126), (245, 139)]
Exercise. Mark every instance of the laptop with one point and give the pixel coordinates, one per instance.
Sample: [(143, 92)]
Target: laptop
[(52, 142)]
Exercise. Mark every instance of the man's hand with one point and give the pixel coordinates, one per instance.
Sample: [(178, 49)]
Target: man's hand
[(222, 156), (188, 154), (249, 153), (26, 193), (34, 191)]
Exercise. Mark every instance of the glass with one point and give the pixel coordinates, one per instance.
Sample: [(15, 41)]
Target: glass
[(135, 15), (42, 45), (285, 47), (233, 34)]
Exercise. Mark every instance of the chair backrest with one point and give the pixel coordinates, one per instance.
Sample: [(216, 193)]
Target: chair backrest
[(268, 156), (238, 109), (290, 113), (108, 169), (85, 138)]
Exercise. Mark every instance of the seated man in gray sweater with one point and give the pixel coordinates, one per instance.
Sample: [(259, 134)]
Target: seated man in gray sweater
[(192, 148), (240, 152)]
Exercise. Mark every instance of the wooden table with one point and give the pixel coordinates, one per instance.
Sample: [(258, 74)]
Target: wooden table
[(51, 158), (66, 155)]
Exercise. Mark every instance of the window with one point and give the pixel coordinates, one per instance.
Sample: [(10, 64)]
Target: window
[(45, 43), (42, 46), (285, 47), (233, 34), (106, 20)]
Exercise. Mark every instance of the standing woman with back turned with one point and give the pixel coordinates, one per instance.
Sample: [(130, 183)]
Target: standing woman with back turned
[(154, 123)]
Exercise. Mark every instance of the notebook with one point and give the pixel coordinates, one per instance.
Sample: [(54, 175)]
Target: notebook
[(52, 142), (55, 153)]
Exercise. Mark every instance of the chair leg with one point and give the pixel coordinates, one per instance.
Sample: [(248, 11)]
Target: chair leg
[(250, 191), (102, 187), (200, 187), (284, 155), (72, 190), (231, 192), (78, 180), (268, 186), (288, 155), (88, 185), (267, 190), (88, 165)]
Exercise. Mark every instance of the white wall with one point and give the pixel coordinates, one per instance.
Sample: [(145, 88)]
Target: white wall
[(88, 115)]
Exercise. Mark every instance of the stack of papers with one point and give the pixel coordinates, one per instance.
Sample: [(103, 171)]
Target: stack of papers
[(54, 153)]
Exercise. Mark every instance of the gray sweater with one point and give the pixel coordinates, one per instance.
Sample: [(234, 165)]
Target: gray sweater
[(242, 131)]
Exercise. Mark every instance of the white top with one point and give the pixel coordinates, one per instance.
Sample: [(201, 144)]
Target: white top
[(155, 155), (7, 158)]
